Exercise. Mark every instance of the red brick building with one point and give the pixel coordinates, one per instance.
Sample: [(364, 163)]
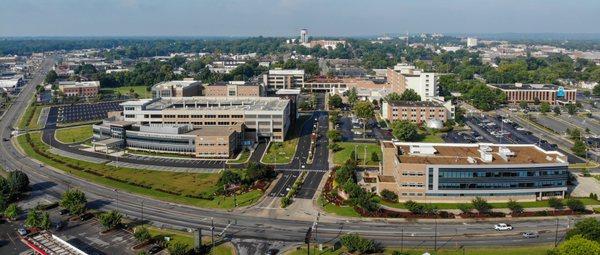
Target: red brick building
[(80, 89)]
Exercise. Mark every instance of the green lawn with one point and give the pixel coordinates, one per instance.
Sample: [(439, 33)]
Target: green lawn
[(188, 238), (184, 188), (343, 155), (504, 250), (245, 154), (140, 90), (338, 210), (283, 152), (534, 204), (74, 134), (30, 117), (432, 138)]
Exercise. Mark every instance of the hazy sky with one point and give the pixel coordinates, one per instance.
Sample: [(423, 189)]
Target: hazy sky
[(286, 17)]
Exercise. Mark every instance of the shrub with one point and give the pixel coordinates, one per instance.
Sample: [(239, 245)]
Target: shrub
[(414, 207), (141, 234), (514, 206), (110, 219), (389, 195), (465, 208), (555, 203), (355, 243), (481, 205), (576, 205)]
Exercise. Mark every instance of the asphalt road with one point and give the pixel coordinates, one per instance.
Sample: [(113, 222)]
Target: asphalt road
[(241, 225)]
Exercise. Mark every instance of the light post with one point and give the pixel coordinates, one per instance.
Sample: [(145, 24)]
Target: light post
[(117, 192), (212, 232)]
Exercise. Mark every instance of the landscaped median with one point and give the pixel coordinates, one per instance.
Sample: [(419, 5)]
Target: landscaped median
[(283, 152), (74, 134), (345, 153), (197, 189), (30, 117)]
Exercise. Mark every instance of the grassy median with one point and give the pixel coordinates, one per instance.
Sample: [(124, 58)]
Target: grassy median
[(344, 154), (195, 189), (283, 152), (74, 134), (30, 117)]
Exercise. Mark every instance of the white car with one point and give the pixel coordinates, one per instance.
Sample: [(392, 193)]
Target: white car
[(503, 227)]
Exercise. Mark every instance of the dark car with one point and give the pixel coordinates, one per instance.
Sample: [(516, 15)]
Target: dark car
[(59, 225), (86, 216), (155, 249), (63, 212), (6, 139), (530, 235)]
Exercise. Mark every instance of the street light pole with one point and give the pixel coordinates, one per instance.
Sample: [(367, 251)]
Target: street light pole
[(556, 234), (435, 237), (212, 232)]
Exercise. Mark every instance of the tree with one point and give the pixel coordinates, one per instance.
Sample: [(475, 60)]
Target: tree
[(74, 201), (589, 228), (51, 77), (484, 98), (334, 116), (545, 107), (596, 90), (481, 205), (410, 95), (574, 134), (13, 211), (335, 101), (18, 181), (555, 203), (414, 207), (33, 218), (389, 195), (141, 234), (464, 208), (356, 243), (575, 204), (110, 220), (578, 245), (4, 186), (579, 148), (556, 110), (514, 206), (334, 135), (45, 222), (571, 109), (255, 172), (229, 177), (178, 248), (364, 110), (352, 96), (404, 130), (523, 105), (393, 97), (374, 157), (3, 202)]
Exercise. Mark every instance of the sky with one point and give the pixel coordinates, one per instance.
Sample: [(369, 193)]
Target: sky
[(287, 17)]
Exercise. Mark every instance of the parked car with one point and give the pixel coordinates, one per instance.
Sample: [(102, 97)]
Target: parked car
[(530, 235), (59, 225), (503, 227), (63, 212), (86, 216), (22, 231), (155, 249)]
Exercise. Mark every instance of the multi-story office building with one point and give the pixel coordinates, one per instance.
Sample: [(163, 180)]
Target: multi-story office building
[(459, 172), (80, 89), (403, 77), (233, 88), (415, 112), (283, 79), (202, 142), (531, 93), (184, 88), (262, 117)]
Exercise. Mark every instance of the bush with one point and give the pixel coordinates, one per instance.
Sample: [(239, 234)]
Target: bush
[(110, 220), (141, 234), (355, 243), (481, 205), (514, 206), (414, 207), (555, 203), (576, 205), (389, 195), (465, 208), (589, 228), (178, 248), (74, 201)]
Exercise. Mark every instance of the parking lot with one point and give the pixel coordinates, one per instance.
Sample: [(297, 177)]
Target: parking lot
[(86, 112), (352, 128)]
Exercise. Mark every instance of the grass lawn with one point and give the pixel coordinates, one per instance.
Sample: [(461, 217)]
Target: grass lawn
[(245, 154), (188, 239), (74, 134), (432, 138), (504, 250), (591, 164), (534, 204), (184, 188), (140, 90), (343, 155), (30, 117), (283, 152), (338, 210)]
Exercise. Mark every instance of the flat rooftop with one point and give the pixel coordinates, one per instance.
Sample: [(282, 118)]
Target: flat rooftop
[(215, 131), (216, 103), (286, 72), (175, 84), (470, 154), (416, 103), (73, 84), (523, 86)]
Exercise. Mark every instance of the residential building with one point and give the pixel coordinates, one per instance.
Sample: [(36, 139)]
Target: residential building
[(184, 88), (79, 89), (404, 76), (459, 172), (283, 79), (415, 112), (532, 93), (233, 88), (262, 117)]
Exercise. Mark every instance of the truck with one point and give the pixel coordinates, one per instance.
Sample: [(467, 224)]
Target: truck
[(503, 227)]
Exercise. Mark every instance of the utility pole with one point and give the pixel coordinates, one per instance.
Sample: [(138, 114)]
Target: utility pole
[(556, 234), (142, 212), (212, 232), (435, 237), (402, 240)]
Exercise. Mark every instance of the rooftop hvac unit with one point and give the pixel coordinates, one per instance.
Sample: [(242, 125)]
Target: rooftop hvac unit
[(471, 160), (422, 150)]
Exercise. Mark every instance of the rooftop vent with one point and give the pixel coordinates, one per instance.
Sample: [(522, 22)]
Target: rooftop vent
[(471, 160)]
